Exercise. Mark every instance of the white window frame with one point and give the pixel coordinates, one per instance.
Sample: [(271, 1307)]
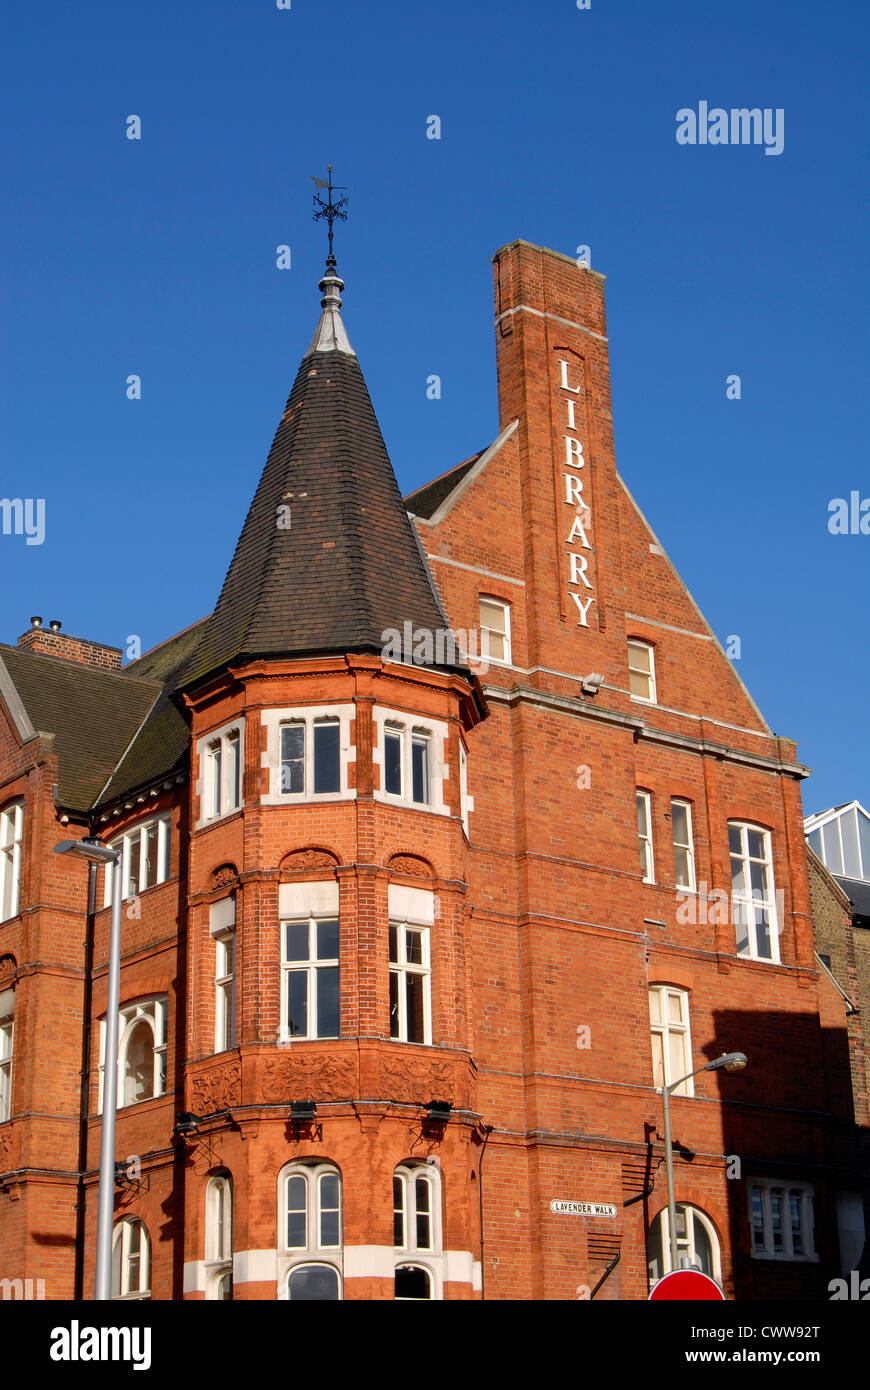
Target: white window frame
[(124, 842), (690, 847), (154, 1011), (645, 838), (225, 991), (466, 802), (407, 1175), (401, 969), (409, 737), (218, 1234), (687, 1245), (7, 1052), (11, 836), (309, 728), (274, 720), (634, 669), (310, 967), (313, 1252), (122, 1233), (666, 1029), (746, 900), (219, 798), (767, 1188), (410, 728), (222, 928), (485, 630)]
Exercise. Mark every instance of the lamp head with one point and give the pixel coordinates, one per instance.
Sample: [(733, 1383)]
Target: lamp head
[(88, 849), (729, 1061)]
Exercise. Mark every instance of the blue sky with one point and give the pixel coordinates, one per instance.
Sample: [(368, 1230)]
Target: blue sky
[(157, 257)]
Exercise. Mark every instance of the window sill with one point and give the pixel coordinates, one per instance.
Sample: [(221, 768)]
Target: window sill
[(153, 1101), (405, 803), (786, 1259), (141, 894), (287, 1040), (758, 960), (208, 821)]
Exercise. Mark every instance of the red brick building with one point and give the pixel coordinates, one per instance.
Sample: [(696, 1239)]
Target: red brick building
[(412, 927)]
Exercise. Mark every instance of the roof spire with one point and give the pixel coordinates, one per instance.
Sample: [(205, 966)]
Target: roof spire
[(330, 334)]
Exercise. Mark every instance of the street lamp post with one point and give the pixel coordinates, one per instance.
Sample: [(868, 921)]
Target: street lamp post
[(731, 1061), (96, 853)]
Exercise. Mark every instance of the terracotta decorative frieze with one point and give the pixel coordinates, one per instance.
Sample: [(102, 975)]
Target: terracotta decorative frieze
[(224, 876), (417, 1080), (219, 1088), (5, 1149), (287, 1077), (303, 860), (412, 866), (8, 967)]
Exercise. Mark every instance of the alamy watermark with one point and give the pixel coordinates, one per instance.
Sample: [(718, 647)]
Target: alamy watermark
[(23, 517), (714, 907), (849, 518), (23, 1289), (713, 125), (77, 1343), (447, 646)]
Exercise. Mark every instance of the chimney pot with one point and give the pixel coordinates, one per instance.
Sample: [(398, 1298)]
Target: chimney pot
[(55, 624), (36, 622)]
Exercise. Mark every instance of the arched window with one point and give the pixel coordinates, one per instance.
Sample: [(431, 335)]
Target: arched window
[(131, 1260), (412, 1282), (313, 1284), (310, 1231), (141, 1051), (697, 1244), (11, 829), (219, 1237), (139, 1062), (416, 1227)]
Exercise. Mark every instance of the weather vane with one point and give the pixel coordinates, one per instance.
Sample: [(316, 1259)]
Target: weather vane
[(331, 211)]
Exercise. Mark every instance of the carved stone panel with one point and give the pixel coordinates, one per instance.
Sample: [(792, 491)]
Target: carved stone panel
[(224, 876), (286, 1077), (409, 864), (303, 860), (219, 1088), (420, 1079)]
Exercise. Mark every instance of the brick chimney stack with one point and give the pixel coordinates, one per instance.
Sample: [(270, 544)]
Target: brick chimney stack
[(51, 641)]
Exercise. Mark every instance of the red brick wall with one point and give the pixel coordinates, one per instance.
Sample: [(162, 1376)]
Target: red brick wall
[(543, 928), (47, 643)]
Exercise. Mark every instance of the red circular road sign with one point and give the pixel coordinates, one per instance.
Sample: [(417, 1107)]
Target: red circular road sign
[(689, 1284)]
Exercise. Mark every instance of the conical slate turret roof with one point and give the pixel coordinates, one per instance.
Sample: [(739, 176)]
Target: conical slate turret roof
[(328, 559)]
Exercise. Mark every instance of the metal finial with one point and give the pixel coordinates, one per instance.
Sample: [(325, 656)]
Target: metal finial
[(333, 212)]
